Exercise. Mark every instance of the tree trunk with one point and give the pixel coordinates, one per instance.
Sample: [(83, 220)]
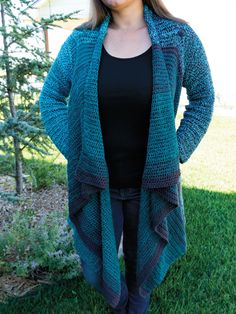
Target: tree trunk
[(10, 93)]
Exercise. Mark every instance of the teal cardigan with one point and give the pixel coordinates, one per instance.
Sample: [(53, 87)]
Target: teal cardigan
[(69, 110)]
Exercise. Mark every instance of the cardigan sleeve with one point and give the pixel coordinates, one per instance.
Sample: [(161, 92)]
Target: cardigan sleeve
[(197, 80), (53, 97)]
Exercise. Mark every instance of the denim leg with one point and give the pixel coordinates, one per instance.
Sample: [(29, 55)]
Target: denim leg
[(118, 219), (137, 304)]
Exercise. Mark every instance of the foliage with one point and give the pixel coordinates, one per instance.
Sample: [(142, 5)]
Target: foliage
[(30, 246), (24, 63)]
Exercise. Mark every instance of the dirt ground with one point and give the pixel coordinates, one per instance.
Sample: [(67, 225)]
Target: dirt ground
[(53, 198)]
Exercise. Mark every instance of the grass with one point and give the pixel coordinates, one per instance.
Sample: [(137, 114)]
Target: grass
[(202, 281), (43, 173)]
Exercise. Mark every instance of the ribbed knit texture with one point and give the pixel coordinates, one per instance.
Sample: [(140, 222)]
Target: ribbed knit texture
[(69, 109)]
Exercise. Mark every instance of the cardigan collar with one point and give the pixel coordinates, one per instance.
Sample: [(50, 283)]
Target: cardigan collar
[(162, 159)]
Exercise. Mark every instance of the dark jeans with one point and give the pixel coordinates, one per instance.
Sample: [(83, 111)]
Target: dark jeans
[(125, 206)]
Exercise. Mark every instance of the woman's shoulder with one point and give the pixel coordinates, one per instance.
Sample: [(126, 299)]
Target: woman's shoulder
[(169, 29), (84, 31), (86, 27)]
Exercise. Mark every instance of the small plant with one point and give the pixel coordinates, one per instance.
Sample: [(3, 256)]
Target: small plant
[(41, 247)]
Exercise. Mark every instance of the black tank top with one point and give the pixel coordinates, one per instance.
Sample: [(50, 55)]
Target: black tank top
[(125, 92)]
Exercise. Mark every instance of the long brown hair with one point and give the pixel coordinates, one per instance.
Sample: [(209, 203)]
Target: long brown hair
[(98, 11)]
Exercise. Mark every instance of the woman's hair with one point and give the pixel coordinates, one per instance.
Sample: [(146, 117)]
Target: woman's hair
[(98, 11)]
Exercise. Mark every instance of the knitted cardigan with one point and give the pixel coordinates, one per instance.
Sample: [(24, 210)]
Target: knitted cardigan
[(69, 110)]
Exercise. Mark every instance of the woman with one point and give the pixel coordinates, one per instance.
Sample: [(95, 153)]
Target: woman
[(109, 104)]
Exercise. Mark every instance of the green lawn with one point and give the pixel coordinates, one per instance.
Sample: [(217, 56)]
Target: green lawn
[(202, 280)]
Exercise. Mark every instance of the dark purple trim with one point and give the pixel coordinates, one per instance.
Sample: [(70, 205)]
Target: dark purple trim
[(97, 249), (87, 191), (151, 263), (89, 178), (82, 198), (158, 183), (111, 297), (157, 223)]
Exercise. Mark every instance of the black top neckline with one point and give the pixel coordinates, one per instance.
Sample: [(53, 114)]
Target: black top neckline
[(129, 58)]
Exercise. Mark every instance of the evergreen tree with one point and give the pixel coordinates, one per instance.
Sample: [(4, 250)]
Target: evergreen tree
[(24, 63)]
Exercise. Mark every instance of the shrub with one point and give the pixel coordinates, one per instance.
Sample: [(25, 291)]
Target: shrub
[(34, 247)]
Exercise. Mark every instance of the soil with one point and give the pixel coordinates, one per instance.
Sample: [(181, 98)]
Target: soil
[(48, 199)]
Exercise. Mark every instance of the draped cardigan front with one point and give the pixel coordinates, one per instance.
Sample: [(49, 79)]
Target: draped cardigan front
[(69, 109)]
